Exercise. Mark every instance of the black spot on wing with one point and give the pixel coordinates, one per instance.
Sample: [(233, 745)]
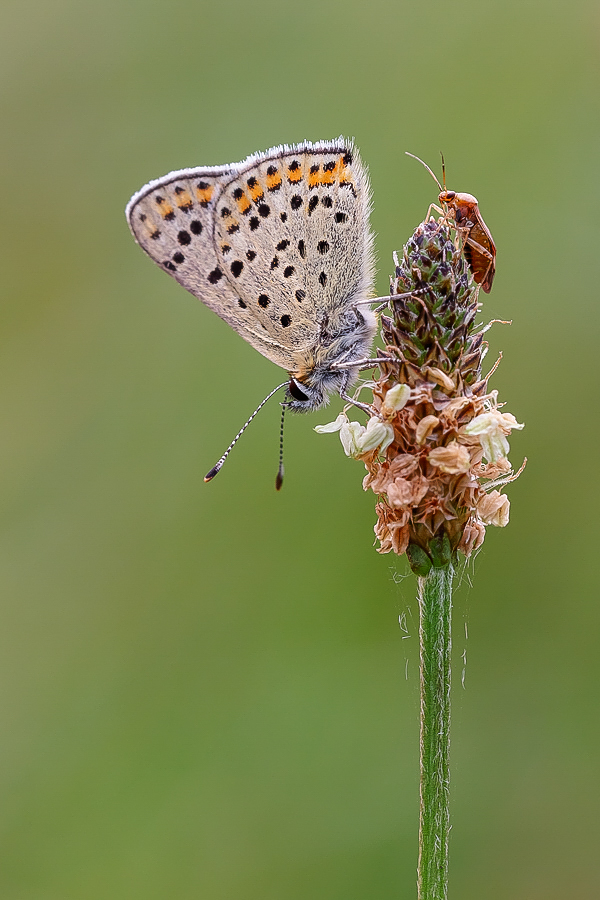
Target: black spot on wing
[(348, 184)]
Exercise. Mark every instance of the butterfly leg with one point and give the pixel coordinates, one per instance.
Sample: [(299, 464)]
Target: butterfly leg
[(371, 363), (385, 301), (382, 306), (362, 363), (370, 410)]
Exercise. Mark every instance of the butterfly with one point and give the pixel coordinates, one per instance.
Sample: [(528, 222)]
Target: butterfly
[(280, 247)]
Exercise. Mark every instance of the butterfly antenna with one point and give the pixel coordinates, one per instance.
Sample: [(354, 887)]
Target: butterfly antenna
[(216, 469), (428, 169), (281, 470)]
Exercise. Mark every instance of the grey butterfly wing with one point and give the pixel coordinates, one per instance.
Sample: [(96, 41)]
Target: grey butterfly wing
[(278, 245), (292, 237), (172, 219)]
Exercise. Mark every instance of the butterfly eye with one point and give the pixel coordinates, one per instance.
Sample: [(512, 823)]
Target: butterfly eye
[(295, 390)]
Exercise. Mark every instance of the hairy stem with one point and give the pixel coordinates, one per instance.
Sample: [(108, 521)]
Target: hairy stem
[(435, 606)]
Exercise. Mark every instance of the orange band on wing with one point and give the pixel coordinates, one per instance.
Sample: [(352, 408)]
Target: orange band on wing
[(243, 203), (184, 200), (204, 194), (255, 189), (329, 174), (273, 181)]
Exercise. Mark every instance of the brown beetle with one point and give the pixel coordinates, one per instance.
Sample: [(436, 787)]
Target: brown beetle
[(478, 244)]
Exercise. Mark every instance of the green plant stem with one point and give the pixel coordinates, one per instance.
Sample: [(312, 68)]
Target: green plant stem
[(435, 607)]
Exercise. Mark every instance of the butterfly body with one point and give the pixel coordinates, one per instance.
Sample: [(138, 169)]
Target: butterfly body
[(280, 247)]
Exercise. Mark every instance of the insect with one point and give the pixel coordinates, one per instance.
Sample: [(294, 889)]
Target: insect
[(280, 247), (478, 245)]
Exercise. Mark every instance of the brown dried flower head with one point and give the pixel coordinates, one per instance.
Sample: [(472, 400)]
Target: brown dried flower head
[(435, 447)]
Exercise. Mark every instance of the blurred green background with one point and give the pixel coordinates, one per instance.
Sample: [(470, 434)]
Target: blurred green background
[(205, 692)]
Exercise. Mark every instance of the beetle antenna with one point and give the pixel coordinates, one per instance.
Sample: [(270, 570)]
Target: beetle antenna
[(281, 470), (429, 170), (217, 468)]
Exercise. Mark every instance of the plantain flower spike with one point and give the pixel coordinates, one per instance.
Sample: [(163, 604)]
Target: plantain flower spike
[(436, 445)]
